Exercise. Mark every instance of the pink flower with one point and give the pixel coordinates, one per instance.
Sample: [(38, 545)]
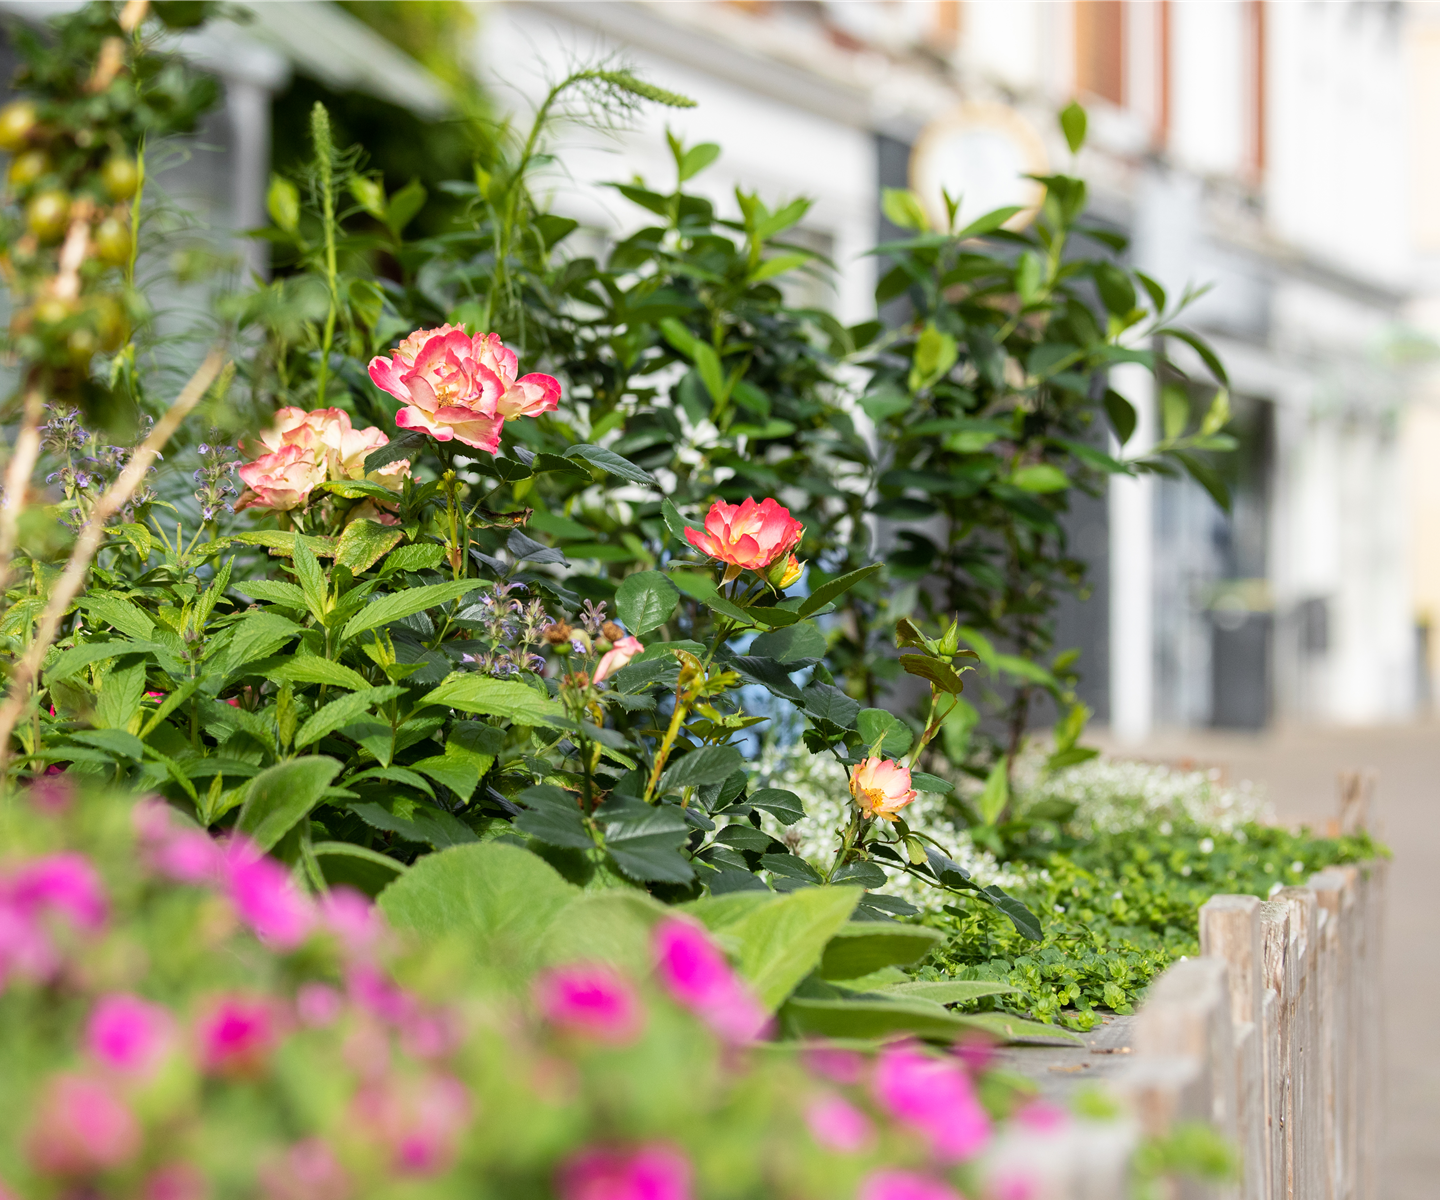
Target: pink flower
[(590, 999), (838, 1125), (456, 386), (265, 896), (60, 883), (318, 1005), (308, 1170), (1014, 1183), (697, 975), (81, 1128), (371, 990), (616, 657), (653, 1172), (904, 1185), (933, 1096), (881, 787), (977, 1053), (353, 918), (25, 950), (1041, 1117), (418, 1120), (176, 1181), (747, 535), (237, 1035), (305, 449), (128, 1034), (172, 848), (842, 1066), (51, 794)]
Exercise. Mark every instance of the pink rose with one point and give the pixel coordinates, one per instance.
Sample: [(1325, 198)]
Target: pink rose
[(81, 1128), (236, 1035), (461, 387), (590, 999), (695, 972), (881, 787), (617, 656), (281, 480), (305, 449), (933, 1096), (128, 1034), (653, 1172), (747, 535), (838, 1125), (904, 1185)]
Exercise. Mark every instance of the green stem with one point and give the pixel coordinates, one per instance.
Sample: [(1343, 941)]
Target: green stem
[(677, 718)]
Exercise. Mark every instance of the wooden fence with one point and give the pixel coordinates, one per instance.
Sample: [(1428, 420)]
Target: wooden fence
[(1271, 1035)]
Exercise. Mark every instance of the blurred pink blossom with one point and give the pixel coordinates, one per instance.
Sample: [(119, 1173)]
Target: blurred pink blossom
[(65, 884), (318, 1004), (653, 1172), (591, 999), (904, 1185), (618, 656), (353, 918), (431, 1033), (838, 1125), (1014, 1183), (841, 1066), (51, 794), (265, 896), (695, 972), (176, 1181), (236, 1035), (372, 990), (308, 1170), (175, 850), (1039, 1116), (81, 1128), (935, 1097), (25, 950), (419, 1120), (128, 1034), (977, 1053)]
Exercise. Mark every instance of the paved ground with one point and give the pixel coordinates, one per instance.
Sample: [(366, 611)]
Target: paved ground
[(1298, 770)]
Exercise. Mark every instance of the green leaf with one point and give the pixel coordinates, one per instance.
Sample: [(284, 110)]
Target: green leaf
[(608, 460), (675, 523), (613, 926), (405, 206), (782, 942), (407, 445), (874, 1018), (1202, 348), (935, 354), (923, 782), (863, 947), (460, 777), (282, 201), (351, 850), (257, 635), (836, 588), (859, 874), (553, 815), (645, 600), (708, 764), (312, 669), (339, 713), (364, 543), (274, 591), (67, 662), (946, 991), (696, 159), (1017, 1029), (1027, 277), (1115, 288), (1040, 477), (702, 354), (989, 223), (312, 578), (829, 703), (941, 675), (1215, 420), (996, 794), (645, 844), (509, 698), (781, 263), (903, 208), (126, 617), (117, 741), (1207, 477), (496, 899), (420, 822), (1072, 125), (892, 734), (798, 644), (702, 588), (277, 798), (397, 605), (785, 806), (1174, 410), (424, 556)]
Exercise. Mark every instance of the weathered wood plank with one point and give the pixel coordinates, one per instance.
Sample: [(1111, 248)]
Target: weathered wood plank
[(1276, 954)]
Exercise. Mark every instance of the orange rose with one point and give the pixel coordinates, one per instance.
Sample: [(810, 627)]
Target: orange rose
[(881, 787), (748, 535)]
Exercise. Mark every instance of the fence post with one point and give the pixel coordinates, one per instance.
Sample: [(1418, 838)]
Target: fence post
[(1336, 891), (1275, 973), (1307, 1137), (1230, 930)]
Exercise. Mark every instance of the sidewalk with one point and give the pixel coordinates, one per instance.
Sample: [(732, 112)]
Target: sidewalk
[(1298, 770)]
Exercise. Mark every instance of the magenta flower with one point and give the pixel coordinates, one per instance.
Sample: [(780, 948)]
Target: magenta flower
[(841, 1066), (25, 950), (1014, 1183), (175, 1181), (308, 1170), (353, 918), (65, 884), (81, 1128), (237, 1035), (590, 999), (1040, 1116), (266, 897), (418, 1120), (904, 1185), (372, 990), (838, 1125), (173, 849), (695, 972), (933, 1096), (653, 1172), (128, 1034)]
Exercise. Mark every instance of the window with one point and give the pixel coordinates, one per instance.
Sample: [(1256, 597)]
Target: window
[(1100, 49)]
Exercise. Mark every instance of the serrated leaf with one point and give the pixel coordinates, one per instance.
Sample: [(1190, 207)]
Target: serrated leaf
[(486, 696), (785, 806), (398, 605), (791, 644), (708, 764), (339, 713), (311, 669), (835, 588), (942, 675), (406, 446), (279, 797), (274, 591), (645, 600), (364, 543), (781, 942), (877, 725), (609, 461), (645, 845), (424, 556)]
